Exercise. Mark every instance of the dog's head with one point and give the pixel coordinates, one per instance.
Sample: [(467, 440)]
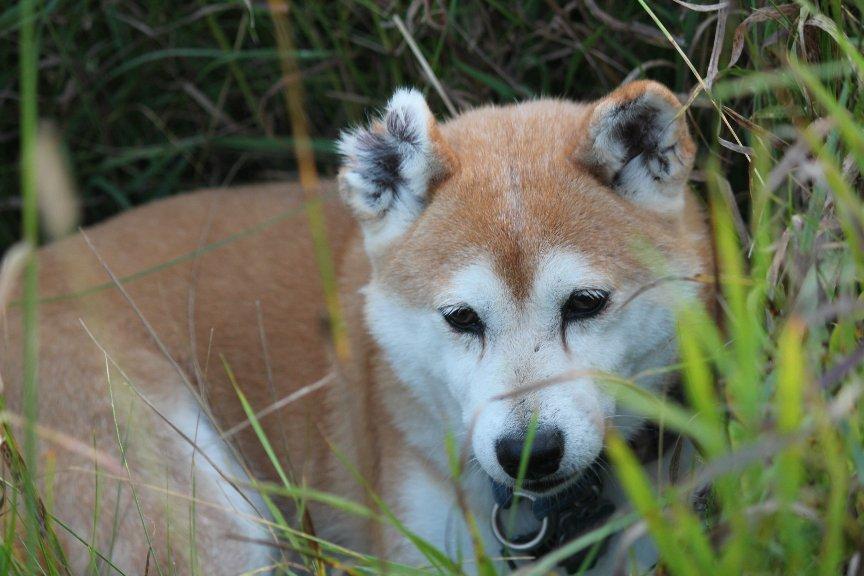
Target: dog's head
[(521, 252)]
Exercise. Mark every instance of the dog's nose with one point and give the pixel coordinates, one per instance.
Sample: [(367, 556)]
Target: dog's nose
[(543, 460)]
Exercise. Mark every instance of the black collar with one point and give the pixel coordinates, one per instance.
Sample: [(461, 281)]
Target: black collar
[(569, 512), (564, 515)]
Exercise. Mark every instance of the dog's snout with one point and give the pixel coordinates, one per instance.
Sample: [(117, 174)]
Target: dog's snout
[(545, 456)]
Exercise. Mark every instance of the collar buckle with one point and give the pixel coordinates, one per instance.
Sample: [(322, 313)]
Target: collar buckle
[(527, 543)]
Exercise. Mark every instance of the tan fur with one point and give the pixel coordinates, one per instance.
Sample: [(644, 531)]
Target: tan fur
[(517, 191), (516, 194)]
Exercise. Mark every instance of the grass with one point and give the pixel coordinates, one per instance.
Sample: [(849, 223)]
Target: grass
[(154, 98)]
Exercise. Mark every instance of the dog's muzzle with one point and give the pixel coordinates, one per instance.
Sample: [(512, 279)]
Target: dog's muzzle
[(563, 516)]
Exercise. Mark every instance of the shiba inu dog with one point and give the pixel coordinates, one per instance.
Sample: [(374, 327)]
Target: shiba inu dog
[(491, 268)]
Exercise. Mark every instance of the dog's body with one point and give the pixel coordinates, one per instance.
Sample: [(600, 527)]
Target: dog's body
[(505, 248)]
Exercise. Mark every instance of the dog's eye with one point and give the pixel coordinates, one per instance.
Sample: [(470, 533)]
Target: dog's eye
[(463, 319), (584, 304)]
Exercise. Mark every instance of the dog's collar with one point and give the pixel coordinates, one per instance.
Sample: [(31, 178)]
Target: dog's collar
[(563, 515), (566, 514)]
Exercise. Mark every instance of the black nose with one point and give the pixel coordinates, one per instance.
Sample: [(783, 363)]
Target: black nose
[(543, 460)]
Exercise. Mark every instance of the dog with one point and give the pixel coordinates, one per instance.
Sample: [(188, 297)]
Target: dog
[(489, 270)]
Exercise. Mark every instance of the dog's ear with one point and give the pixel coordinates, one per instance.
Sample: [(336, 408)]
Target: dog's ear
[(390, 167), (637, 143)]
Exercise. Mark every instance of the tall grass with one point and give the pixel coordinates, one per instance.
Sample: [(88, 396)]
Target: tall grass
[(775, 95), (30, 232)]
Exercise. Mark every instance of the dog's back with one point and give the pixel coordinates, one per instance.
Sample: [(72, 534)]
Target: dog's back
[(217, 280)]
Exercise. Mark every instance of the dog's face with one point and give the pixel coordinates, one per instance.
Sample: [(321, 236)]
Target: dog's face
[(520, 254)]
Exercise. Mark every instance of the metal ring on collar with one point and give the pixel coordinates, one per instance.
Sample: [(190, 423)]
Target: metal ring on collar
[(518, 546)]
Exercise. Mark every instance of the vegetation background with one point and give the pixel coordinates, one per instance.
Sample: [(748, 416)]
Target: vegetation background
[(150, 98), (154, 98)]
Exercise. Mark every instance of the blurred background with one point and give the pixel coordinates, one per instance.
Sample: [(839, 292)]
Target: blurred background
[(155, 97)]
